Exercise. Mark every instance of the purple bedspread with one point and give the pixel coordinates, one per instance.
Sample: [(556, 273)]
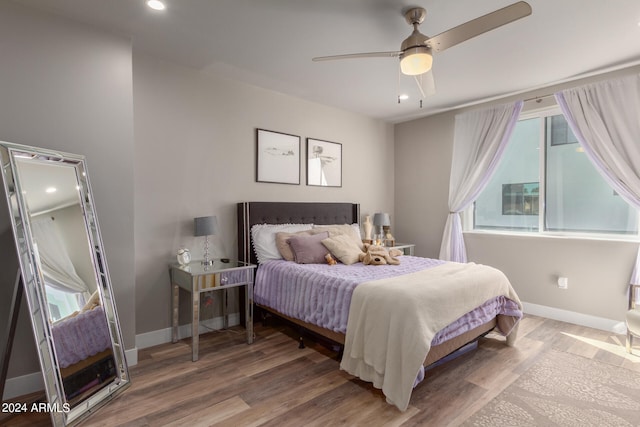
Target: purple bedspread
[(79, 337), (320, 294)]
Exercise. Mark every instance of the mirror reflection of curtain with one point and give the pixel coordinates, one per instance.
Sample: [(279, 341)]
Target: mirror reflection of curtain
[(57, 266)]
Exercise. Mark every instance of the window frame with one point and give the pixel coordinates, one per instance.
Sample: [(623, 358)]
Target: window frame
[(468, 215)]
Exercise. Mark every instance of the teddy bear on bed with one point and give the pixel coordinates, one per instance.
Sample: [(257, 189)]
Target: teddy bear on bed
[(379, 255)]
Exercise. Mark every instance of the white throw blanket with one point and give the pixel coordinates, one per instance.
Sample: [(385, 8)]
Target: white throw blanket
[(393, 321)]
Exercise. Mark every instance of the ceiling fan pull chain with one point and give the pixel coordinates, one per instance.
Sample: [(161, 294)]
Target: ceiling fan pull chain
[(418, 80), (398, 91)]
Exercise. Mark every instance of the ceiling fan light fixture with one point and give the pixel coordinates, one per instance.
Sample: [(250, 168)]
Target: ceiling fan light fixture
[(416, 60), (156, 4)]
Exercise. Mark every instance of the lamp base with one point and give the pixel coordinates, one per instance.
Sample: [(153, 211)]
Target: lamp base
[(207, 262)]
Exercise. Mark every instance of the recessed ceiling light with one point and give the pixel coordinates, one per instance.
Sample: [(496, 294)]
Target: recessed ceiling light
[(51, 190), (403, 97), (156, 4)]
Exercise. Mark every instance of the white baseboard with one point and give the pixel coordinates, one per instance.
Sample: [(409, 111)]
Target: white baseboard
[(162, 336), (601, 323), (132, 356)]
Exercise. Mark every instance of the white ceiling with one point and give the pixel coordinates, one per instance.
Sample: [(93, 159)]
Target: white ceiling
[(270, 43), (36, 177)]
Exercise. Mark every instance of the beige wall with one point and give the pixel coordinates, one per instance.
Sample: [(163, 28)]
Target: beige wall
[(195, 156), (74, 88), (68, 87), (598, 271), (423, 158)]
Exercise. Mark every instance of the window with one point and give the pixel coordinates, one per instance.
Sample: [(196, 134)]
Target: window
[(546, 183), (61, 304)]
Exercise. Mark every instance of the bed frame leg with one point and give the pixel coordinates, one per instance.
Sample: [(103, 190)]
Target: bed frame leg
[(262, 316), (301, 342)]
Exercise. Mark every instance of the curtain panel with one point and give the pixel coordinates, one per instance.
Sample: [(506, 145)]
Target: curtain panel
[(57, 266), (605, 118), (480, 138)]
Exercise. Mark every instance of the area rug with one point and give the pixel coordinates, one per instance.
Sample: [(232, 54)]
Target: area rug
[(563, 389)]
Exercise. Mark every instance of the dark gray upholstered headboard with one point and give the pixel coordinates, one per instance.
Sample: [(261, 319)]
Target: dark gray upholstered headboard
[(251, 213)]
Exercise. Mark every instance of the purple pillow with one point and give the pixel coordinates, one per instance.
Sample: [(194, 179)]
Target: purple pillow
[(309, 249)]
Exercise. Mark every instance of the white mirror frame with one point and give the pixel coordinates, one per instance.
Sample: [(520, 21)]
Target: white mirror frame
[(62, 414)]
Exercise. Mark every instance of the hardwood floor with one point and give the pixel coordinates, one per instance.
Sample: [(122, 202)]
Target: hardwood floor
[(273, 383)]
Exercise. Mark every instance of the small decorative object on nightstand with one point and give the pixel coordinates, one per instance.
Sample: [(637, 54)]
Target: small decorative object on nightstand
[(205, 226), (184, 256)]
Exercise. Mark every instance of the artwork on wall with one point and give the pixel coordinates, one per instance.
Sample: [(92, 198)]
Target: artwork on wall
[(277, 157), (324, 163)]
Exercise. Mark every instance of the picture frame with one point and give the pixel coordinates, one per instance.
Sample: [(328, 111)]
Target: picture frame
[(324, 163), (277, 157)]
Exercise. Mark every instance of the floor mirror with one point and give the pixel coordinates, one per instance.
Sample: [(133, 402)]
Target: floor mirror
[(62, 271)]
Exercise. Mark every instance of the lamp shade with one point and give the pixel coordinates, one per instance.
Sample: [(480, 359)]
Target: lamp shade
[(416, 60), (205, 226), (381, 219)]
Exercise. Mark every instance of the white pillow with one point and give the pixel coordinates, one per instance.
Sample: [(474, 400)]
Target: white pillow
[(264, 238), (351, 230), (344, 248), (356, 230)]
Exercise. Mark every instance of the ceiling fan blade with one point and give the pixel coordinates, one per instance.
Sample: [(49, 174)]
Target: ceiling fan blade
[(393, 54), (426, 84), (479, 26)]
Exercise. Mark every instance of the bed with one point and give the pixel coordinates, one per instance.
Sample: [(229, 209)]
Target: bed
[(83, 351), (504, 316)]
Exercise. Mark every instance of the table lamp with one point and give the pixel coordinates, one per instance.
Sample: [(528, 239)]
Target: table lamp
[(381, 220), (205, 226)]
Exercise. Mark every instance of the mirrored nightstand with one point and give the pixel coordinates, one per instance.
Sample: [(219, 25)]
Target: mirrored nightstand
[(219, 276), (407, 248)]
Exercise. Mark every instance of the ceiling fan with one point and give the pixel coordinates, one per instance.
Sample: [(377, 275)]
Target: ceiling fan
[(416, 51)]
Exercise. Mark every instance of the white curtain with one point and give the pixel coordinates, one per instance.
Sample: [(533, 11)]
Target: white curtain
[(605, 117), (479, 142), (57, 267)]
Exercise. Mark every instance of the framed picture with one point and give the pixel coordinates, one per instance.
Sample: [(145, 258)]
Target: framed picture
[(277, 157), (324, 163)]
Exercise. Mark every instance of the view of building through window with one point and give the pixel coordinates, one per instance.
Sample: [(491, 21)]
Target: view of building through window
[(545, 182)]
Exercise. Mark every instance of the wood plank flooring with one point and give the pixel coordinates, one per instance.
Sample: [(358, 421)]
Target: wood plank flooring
[(273, 383)]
